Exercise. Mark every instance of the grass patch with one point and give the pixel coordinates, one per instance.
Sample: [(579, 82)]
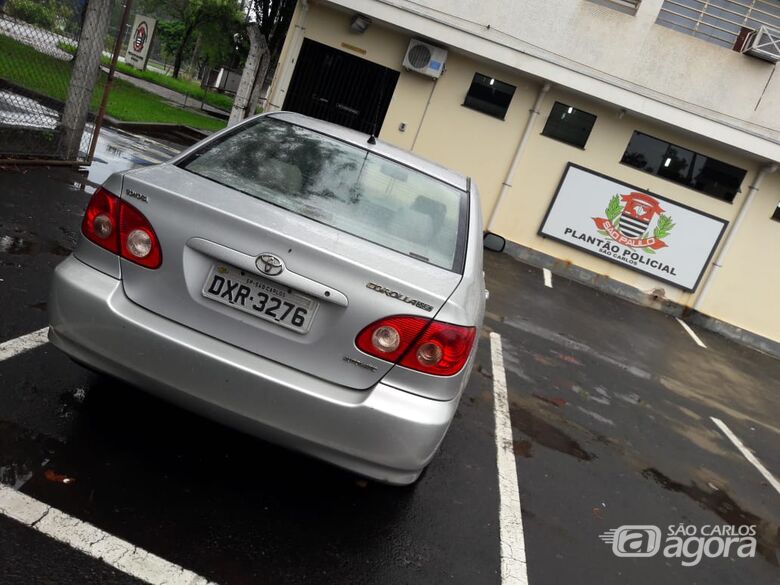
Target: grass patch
[(24, 66), (184, 86)]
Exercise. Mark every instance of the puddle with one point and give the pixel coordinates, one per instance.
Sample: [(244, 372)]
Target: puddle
[(29, 246), (726, 508), (22, 453), (546, 434)]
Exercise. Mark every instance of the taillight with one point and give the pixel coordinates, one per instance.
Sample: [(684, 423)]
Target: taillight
[(121, 229), (139, 242), (420, 344), (101, 220)]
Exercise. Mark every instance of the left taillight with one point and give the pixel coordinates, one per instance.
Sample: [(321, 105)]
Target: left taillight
[(121, 229)]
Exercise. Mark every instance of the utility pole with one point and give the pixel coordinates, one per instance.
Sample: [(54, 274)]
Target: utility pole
[(86, 67)]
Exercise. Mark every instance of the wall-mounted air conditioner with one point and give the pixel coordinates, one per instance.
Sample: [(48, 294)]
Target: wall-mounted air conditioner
[(764, 44), (425, 59)]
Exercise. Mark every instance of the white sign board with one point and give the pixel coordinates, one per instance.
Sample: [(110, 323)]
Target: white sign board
[(637, 229), (140, 41)]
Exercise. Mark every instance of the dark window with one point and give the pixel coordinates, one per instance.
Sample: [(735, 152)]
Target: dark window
[(489, 96), (683, 166), (776, 214), (569, 125)]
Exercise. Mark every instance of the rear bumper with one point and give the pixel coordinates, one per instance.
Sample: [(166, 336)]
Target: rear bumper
[(384, 433)]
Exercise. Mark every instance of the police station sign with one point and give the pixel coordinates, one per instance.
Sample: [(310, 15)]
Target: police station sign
[(631, 227), (140, 41)]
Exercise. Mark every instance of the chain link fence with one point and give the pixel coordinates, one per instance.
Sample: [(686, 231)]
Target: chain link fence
[(38, 41)]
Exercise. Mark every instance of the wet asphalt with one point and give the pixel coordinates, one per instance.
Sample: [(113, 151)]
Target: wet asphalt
[(609, 403)]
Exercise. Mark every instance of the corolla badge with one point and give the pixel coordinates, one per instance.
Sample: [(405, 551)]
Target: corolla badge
[(269, 264)]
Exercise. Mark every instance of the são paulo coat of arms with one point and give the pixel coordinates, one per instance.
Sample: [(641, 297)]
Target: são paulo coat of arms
[(635, 220)]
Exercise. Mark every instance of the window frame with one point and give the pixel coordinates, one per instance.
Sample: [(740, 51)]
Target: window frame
[(564, 141), (465, 103), (696, 154)]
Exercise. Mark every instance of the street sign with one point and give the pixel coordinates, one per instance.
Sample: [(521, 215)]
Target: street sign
[(631, 227), (140, 41)]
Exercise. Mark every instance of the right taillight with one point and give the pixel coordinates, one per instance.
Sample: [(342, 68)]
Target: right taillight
[(433, 347), (121, 229)]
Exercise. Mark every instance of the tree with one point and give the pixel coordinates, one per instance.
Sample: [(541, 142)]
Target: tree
[(216, 20), (267, 30)]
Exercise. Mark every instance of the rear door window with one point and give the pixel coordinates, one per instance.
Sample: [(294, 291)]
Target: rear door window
[(341, 185)]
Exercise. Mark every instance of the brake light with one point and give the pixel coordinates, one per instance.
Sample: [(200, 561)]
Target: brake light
[(120, 228), (101, 220), (427, 346)]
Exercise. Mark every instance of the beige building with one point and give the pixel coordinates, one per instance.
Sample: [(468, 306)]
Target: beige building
[(675, 100)]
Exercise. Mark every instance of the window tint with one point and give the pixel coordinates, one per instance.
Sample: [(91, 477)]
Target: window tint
[(683, 166), (489, 96), (569, 125), (342, 186)]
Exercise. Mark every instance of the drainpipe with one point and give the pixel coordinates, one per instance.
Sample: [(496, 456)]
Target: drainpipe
[(507, 184), (284, 75), (724, 249)]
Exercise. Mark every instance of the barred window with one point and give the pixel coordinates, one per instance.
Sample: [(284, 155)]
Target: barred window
[(627, 6), (722, 22)]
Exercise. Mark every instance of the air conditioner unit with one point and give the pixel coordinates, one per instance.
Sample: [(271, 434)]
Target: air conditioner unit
[(425, 59), (764, 44)]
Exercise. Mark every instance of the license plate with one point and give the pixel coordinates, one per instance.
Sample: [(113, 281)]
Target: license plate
[(260, 297)]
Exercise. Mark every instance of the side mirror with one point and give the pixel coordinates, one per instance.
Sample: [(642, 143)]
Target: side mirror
[(493, 242)]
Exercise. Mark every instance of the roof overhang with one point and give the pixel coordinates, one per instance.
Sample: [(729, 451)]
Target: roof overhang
[(486, 44)]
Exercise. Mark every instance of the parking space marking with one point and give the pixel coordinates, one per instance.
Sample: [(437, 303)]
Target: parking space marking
[(691, 332), (514, 570), (12, 347), (547, 277), (747, 453), (92, 541)]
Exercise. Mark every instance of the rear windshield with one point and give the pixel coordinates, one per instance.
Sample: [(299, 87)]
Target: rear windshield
[(346, 187)]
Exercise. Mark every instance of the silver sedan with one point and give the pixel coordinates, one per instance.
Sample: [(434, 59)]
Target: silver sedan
[(290, 278)]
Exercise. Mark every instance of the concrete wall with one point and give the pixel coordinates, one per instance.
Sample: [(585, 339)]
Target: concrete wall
[(634, 48), (439, 127)]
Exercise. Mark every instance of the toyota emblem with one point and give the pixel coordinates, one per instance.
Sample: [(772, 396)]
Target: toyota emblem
[(269, 264)]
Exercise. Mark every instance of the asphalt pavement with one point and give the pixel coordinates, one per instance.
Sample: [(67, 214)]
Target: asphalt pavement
[(610, 405)]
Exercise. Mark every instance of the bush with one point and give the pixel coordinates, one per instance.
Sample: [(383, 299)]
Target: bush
[(37, 13)]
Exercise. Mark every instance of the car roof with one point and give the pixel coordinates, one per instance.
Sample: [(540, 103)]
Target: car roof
[(382, 148)]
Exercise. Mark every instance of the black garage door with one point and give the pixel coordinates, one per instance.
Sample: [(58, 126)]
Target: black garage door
[(338, 87)]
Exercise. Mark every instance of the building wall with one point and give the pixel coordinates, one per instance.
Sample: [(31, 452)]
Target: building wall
[(439, 127), (635, 49)]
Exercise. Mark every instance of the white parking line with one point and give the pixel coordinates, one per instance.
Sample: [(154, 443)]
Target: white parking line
[(92, 541), (747, 453), (514, 570), (24, 343), (690, 331), (547, 277)]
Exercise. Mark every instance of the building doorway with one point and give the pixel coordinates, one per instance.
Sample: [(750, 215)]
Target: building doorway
[(338, 87)]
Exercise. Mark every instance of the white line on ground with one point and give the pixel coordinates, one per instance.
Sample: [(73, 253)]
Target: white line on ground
[(690, 331), (94, 542), (747, 453), (21, 344), (514, 570), (547, 277)]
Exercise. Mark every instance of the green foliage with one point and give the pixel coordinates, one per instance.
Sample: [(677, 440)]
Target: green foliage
[(171, 36), (36, 13), (663, 227), (183, 86), (614, 209), (24, 66)]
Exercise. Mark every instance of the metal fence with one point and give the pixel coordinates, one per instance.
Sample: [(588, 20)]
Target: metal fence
[(37, 45)]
